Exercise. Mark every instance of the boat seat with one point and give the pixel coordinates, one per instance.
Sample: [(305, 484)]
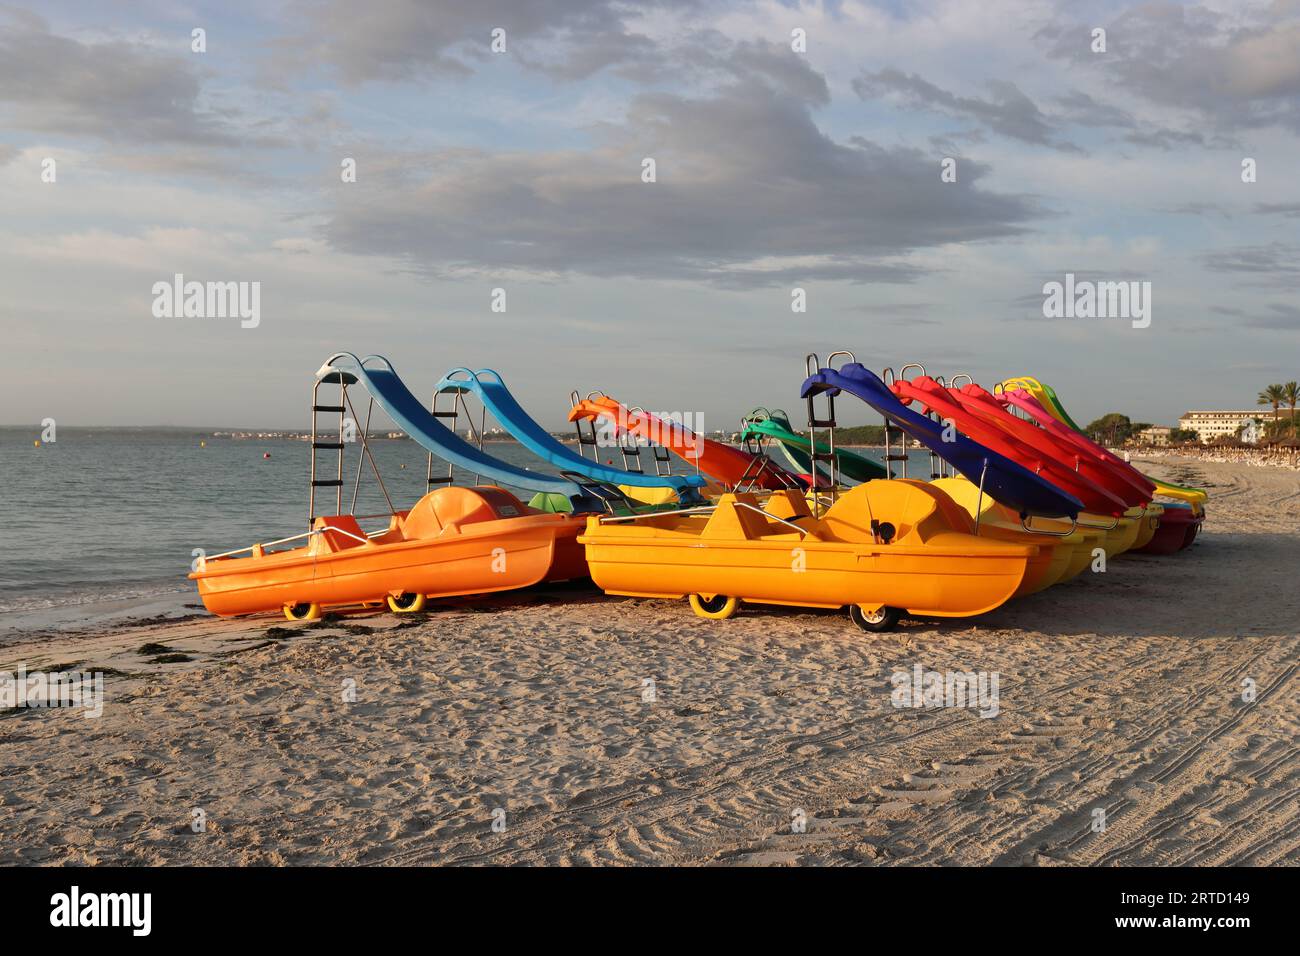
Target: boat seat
[(736, 524), (911, 507), (394, 531), (788, 504), (446, 509), (339, 542)]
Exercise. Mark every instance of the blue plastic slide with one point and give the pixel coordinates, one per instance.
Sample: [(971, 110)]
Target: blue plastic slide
[(1005, 481), (382, 382), (487, 386)]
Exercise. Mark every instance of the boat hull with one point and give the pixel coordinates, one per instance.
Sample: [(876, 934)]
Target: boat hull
[(929, 570), (497, 553), (1177, 530)]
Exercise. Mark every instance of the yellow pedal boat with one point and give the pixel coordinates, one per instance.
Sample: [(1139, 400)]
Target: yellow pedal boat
[(1113, 536), (1072, 548), (883, 549)]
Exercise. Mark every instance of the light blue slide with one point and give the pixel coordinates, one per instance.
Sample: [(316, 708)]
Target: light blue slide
[(382, 382), (487, 386)]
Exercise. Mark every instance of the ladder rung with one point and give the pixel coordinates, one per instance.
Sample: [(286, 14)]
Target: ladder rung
[(329, 408), (896, 458), (443, 414), (332, 445), (444, 480), (822, 423), (328, 483)]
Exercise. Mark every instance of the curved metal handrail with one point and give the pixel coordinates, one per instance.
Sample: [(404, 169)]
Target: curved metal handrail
[(1074, 523), (292, 537), (830, 359), (902, 372), (1100, 527)]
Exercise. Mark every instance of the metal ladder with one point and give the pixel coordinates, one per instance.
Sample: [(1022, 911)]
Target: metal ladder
[(632, 452), (812, 365), (947, 469), (457, 405), (586, 439), (938, 467), (342, 380), (343, 409), (760, 462), (892, 432)]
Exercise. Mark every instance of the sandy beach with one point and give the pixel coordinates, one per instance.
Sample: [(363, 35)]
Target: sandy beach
[(1120, 692)]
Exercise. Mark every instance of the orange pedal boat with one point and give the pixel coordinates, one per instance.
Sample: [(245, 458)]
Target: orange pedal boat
[(453, 541)]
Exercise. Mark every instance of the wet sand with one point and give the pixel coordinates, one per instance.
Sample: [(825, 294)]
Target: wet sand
[(1119, 692)]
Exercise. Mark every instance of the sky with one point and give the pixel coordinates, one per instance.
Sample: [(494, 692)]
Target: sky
[(795, 146)]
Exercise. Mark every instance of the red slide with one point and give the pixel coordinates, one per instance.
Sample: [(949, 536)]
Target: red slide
[(1053, 463), (1085, 460), (1030, 405)]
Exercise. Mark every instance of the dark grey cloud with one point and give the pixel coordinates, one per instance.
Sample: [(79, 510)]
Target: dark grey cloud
[(1198, 208), (1278, 315), (1239, 75), (1007, 111), (1275, 264), (1275, 316), (112, 90), (1085, 110), (1161, 137), (1290, 210), (404, 40), (746, 182)]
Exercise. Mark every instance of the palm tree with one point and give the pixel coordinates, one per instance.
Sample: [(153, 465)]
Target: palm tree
[(1274, 395), (1291, 395)]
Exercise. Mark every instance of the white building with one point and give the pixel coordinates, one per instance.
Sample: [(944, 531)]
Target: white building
[(1211, 425), (1153, 435)]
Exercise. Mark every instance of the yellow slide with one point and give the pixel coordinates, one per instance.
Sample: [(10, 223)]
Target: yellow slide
[(1046, 397)]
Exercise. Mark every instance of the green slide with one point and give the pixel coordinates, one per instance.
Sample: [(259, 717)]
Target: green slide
[(775, 425)]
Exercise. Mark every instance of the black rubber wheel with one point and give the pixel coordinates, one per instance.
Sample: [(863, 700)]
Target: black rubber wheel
[(877, 621)]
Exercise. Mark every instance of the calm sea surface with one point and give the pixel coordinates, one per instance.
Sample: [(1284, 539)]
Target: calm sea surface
[(107, 514)]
